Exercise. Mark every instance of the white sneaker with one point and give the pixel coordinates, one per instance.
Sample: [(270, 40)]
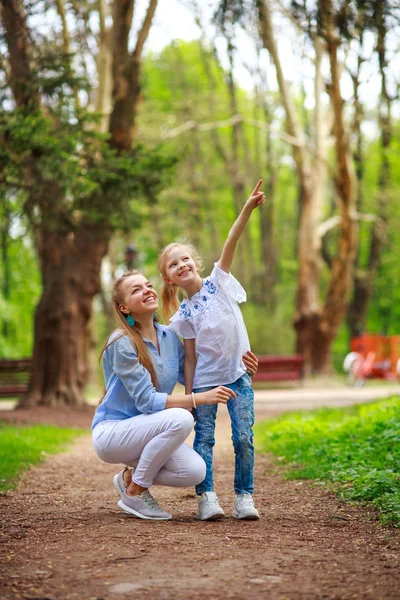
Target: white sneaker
[(144, 506), (209, 508), (244, 508)]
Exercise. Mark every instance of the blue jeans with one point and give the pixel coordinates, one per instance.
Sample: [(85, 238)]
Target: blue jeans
[(241, 412)]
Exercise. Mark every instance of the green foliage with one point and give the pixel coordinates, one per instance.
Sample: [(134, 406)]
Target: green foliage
[(22, 447), (17, 310), (19, 279), (357, 450), (78, 176)]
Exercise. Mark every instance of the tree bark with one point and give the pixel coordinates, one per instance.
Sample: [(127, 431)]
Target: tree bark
[(103, 104), (71, 266), (22, 82), (126, 73)]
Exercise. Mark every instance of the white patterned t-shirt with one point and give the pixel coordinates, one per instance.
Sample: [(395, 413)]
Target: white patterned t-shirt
[(213, 318)]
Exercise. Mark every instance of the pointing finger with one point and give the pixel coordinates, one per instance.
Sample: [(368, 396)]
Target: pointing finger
[(255, 191)]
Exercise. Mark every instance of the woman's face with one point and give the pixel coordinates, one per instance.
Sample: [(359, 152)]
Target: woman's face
[(139, 296)]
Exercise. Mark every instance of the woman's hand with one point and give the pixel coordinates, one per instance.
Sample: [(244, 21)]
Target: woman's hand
[(219, 395), (250, 362)]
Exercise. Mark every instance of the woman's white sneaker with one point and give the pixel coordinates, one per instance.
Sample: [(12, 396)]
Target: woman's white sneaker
[(119, 482), (143, 507), (244, 508), (209, 508)]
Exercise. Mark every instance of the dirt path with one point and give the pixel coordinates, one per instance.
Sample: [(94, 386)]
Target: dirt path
[(63, 537)]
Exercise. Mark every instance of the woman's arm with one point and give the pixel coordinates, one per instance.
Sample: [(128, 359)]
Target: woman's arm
[(250, 362), (218, 395), (228, 251)]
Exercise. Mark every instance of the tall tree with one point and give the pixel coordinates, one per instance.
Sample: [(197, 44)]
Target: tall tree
[(77, 185), (378, 20), (316, 324)]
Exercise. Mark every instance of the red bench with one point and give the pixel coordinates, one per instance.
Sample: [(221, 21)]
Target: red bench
[(280, 368), (14, 377)]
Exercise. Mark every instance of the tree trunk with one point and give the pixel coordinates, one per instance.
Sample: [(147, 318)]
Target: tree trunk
[(317, 326), (268, 244), (16, 35), (71, 266), (311, 340), (357, 311), (365, 277), (310, 183), (126, 70), (337, 295)]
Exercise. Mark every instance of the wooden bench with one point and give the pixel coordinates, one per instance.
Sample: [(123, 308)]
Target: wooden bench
[(280, 368), (14, 377)]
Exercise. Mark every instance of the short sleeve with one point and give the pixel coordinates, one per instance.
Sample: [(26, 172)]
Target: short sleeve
[(183, 328), (228, 283)]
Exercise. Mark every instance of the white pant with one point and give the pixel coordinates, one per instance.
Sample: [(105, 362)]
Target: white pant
[(153, 444)]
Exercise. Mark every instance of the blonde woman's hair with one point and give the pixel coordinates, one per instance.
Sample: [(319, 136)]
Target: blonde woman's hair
[(134, 333), (169, 293)]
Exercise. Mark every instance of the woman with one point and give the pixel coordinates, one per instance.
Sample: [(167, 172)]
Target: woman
[(142, 362)]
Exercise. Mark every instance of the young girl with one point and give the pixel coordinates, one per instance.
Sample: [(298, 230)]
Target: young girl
[(215, 337)]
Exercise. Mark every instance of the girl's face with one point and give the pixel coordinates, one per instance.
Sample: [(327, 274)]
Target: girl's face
[(140, 298), (180, 267)]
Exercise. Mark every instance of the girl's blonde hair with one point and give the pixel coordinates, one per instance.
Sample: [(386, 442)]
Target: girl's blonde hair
[(169, 293), (134, 333)]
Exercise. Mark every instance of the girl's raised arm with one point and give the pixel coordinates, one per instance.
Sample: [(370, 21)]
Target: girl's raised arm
[(228, 251)]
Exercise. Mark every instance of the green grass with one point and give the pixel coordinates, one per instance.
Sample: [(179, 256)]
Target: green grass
[(22, 447), (355, 450)]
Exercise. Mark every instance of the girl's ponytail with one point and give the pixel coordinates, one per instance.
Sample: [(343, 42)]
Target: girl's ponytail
[(170, 300)]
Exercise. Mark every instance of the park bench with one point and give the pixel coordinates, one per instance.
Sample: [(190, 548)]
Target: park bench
[(280, 368), (14, 377)]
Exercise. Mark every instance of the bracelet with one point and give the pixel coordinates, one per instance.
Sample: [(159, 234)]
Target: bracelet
[(194, 405)]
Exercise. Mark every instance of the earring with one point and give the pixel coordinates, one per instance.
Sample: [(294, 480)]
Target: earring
[(130, 321), (154, 316)]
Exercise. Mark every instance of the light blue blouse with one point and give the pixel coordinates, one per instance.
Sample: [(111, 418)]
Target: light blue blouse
[(129, 390)]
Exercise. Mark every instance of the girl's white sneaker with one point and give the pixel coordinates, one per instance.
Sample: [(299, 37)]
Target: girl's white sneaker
[(209, 508), (244, 508)]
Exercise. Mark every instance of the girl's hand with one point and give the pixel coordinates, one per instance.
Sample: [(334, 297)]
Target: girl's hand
[(257, 198), (250, 362), (219, 395)]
